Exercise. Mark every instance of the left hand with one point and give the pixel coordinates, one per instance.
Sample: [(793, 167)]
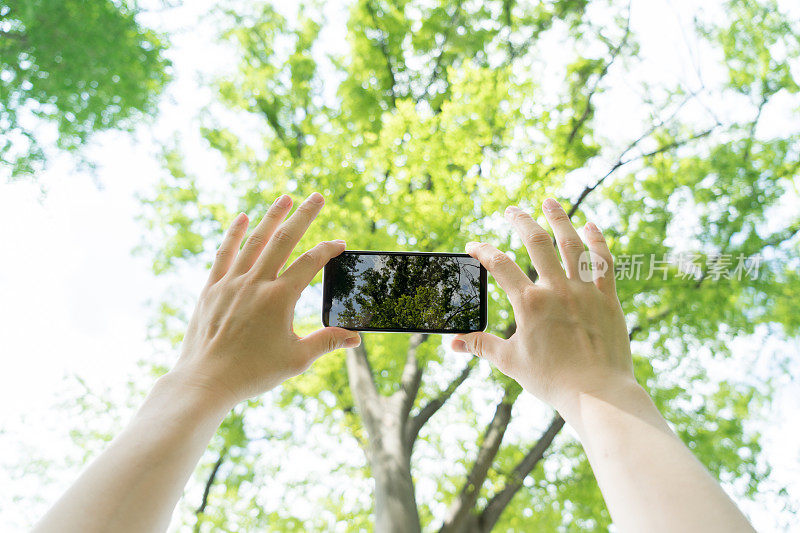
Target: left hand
[(240, 341), (571, 339)]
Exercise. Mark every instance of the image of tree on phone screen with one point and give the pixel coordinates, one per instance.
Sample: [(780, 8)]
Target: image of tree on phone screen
[(406, 291)]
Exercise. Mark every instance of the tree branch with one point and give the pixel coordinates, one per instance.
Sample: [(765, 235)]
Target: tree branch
[(658, 316), (461, 509), (209, 482), (779, 238), (614, 54), (621, 161), (491, 513), (383, 45), (752, 131), (272, 118), (416, 423), (437, 65)]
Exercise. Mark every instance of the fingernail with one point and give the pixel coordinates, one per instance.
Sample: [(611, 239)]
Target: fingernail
[(511, 210), (551, 205), (240, 218), (591, 227), (459, 346), (283, 201), (316, 198), (470, 245), (339, 241), (352, 342)]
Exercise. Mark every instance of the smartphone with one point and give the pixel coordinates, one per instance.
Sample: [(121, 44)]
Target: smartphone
[(404, 291)]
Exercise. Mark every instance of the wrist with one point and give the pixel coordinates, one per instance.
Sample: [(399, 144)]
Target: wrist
[(192, 388), (617, 392)]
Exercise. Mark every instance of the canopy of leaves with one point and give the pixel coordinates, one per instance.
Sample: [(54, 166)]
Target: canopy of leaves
[(84, 66)]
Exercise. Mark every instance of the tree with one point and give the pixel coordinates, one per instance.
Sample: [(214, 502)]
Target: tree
[(440, 118), (82, 66), (410, 292)]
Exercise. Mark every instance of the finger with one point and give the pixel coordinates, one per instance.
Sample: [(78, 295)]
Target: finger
[(226, 252), (327, 340), (569, 243), (302, 271), (484, 345), (287, 236), (602, 260), (538, 243), (507, 273), (258, 239)]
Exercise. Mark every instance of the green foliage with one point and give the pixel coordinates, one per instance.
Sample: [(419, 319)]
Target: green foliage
[(432, 122), (84, 66)]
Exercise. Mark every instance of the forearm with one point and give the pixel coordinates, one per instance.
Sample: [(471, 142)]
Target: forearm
[(648, 477), (239, 343), (135, 483)]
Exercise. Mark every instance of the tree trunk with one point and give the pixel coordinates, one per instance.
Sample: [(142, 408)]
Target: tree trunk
[(385, 419), (395, 503)]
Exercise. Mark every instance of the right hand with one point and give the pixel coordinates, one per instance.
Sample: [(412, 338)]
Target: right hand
[(240, 340), (571, 338)]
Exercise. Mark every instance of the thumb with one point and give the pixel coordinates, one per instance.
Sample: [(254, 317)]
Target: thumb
[(484, 345), (327, 340)]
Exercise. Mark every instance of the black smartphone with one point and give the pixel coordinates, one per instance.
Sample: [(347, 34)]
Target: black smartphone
[(404, 291)]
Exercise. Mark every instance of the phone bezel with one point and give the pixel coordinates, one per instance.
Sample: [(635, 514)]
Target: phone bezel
[(326, 303)]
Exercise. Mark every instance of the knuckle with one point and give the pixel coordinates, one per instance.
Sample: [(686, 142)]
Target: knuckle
[(249, 283), (572, 244), (477, 346), (499, 259), (331, 344), (558, 215), (282, 236), (256, 240), (594, 237), (223, 253), (311, 257), (519, 214), (537, 238), (560, 292)]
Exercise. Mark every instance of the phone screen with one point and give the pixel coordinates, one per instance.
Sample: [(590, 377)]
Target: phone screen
[(405, 291)]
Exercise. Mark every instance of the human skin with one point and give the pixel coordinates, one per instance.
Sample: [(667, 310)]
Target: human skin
[(239, 343), (571, 349)]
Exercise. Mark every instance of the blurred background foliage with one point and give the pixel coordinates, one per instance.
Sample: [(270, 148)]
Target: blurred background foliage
[(80, 66), (438, 115)]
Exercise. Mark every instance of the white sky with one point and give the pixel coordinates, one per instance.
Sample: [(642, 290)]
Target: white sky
[(74, 300)]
